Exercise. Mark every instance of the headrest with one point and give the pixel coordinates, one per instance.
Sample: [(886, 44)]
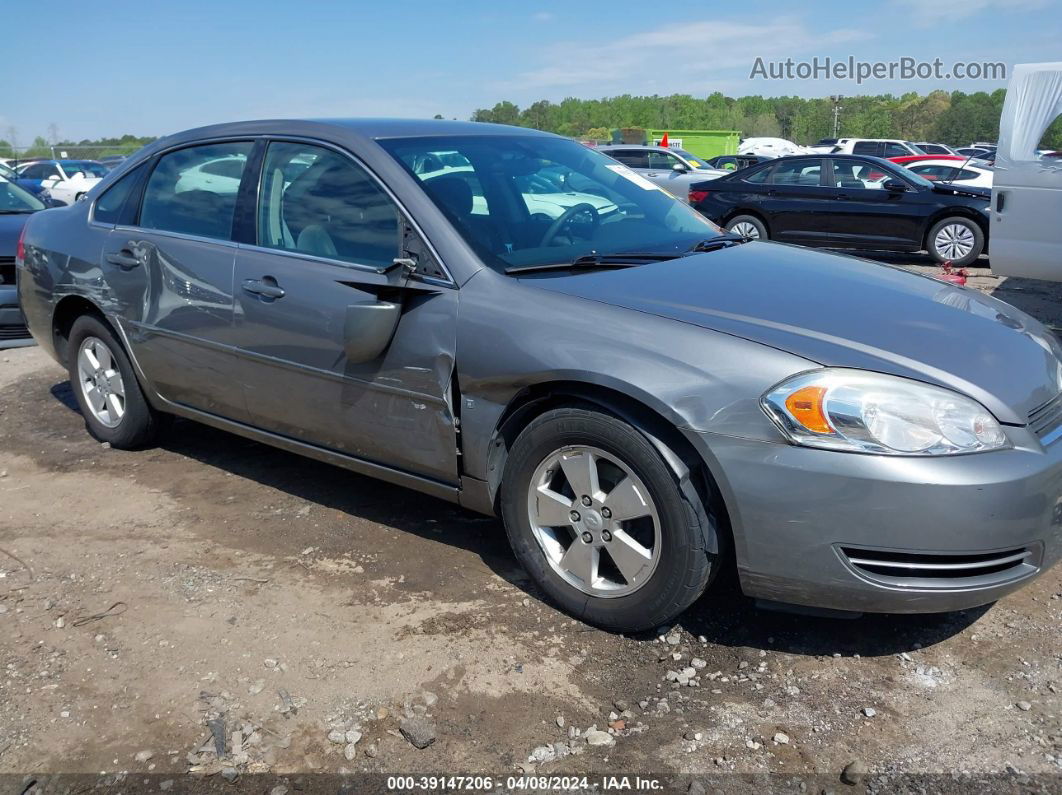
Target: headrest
[(453, 193)]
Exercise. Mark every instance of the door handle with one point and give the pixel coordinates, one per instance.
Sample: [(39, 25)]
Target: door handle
[(842, 196), (266, 287), (999, 201), (123, 259)]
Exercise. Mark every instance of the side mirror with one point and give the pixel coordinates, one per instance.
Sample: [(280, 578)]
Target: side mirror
[(680, 168), (368, 328), (895, 186)]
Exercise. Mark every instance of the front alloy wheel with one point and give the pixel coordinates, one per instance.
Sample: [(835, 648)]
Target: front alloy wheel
[(594, 520), (602, 522)]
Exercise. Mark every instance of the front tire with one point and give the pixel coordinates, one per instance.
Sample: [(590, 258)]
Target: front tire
[(106, 388), (747, 226), (601, 523), (957, 240)]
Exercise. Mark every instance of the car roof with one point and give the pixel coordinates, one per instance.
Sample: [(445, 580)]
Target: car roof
[(609, 147), (371, 128)]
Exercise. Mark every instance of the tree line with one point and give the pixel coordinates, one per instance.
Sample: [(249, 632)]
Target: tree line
[(87, 148), (955, 118)]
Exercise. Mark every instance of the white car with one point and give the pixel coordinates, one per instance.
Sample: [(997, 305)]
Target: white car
[(770, 147), (65, 181), (953, 171), (221, 175)]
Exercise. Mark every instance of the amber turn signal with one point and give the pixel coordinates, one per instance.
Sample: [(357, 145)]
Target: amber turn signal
[(805, 406)]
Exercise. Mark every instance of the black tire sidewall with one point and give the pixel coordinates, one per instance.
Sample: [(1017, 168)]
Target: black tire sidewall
[(751, 219), (979, 240), (139, 423), (682, 571)]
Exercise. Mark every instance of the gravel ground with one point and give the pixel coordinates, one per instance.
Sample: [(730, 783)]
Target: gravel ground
[(213, 609)]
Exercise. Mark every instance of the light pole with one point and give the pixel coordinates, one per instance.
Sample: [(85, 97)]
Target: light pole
[(837, 108)]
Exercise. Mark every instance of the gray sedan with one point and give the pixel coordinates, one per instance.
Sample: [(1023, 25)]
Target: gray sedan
[(674, 170), (643, 399)]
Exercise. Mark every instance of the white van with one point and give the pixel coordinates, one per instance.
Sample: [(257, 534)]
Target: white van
[(1026, 228)]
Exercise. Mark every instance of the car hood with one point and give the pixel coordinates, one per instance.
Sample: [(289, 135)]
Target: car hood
[(845, 312), (957, 189), (10, 229)]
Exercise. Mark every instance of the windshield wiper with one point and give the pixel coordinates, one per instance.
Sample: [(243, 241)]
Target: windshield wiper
[(16, 212), (590, 261), (716, 243)]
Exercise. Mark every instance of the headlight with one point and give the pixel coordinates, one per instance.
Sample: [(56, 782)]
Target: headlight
[(873, 413)]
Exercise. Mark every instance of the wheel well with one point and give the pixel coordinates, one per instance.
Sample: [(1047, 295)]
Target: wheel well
[(67, 311), (676, 450), (955, 213)]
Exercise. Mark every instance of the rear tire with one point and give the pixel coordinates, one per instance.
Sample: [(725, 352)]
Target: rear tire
[(645, 540), (958, 240), (747, 226), (106, 388)]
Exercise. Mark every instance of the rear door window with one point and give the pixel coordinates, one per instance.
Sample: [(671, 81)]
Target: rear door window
[(109, 206), (806, 173), (866, 148), (183, 197), (632, 158)]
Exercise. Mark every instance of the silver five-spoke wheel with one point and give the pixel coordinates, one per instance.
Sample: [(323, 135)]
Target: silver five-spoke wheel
[(101, 382), (595, 521), (954, 241)]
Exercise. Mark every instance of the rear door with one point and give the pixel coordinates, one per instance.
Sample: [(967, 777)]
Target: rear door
[(340, 347), (799, 201), (171, 264)]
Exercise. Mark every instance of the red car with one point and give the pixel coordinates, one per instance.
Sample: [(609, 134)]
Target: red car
[(906, 159)]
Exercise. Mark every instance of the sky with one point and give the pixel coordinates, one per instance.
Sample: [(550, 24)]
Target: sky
[(109, 68)]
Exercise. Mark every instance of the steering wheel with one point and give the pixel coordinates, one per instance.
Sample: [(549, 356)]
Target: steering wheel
[(566, 218)]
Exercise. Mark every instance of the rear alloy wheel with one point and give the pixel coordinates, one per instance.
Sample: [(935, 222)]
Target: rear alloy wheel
[(601, 522), (956, 240), (106, 389), (747, 226)]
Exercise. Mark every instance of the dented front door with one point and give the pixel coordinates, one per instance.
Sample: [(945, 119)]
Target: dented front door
[(293, 319)]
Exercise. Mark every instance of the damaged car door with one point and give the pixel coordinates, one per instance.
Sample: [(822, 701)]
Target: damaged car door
[(346, 323)]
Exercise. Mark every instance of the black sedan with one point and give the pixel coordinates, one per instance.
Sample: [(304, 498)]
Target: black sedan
[(849, 201)]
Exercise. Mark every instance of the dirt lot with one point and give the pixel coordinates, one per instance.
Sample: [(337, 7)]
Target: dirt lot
[(213, 592)]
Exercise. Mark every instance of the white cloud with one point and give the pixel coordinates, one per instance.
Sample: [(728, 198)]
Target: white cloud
[(543, 16), (927, 13), (680, 53)]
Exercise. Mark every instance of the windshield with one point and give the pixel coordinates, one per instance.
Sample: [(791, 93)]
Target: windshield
[(15, 199), (916, 148), (530, 200), (90, 168), (692, 158)]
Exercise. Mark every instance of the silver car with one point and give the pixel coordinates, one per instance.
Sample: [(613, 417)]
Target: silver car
[(643, 399), (674, 170)]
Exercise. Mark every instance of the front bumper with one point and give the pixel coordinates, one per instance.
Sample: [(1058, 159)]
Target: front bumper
[(868, 533)]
